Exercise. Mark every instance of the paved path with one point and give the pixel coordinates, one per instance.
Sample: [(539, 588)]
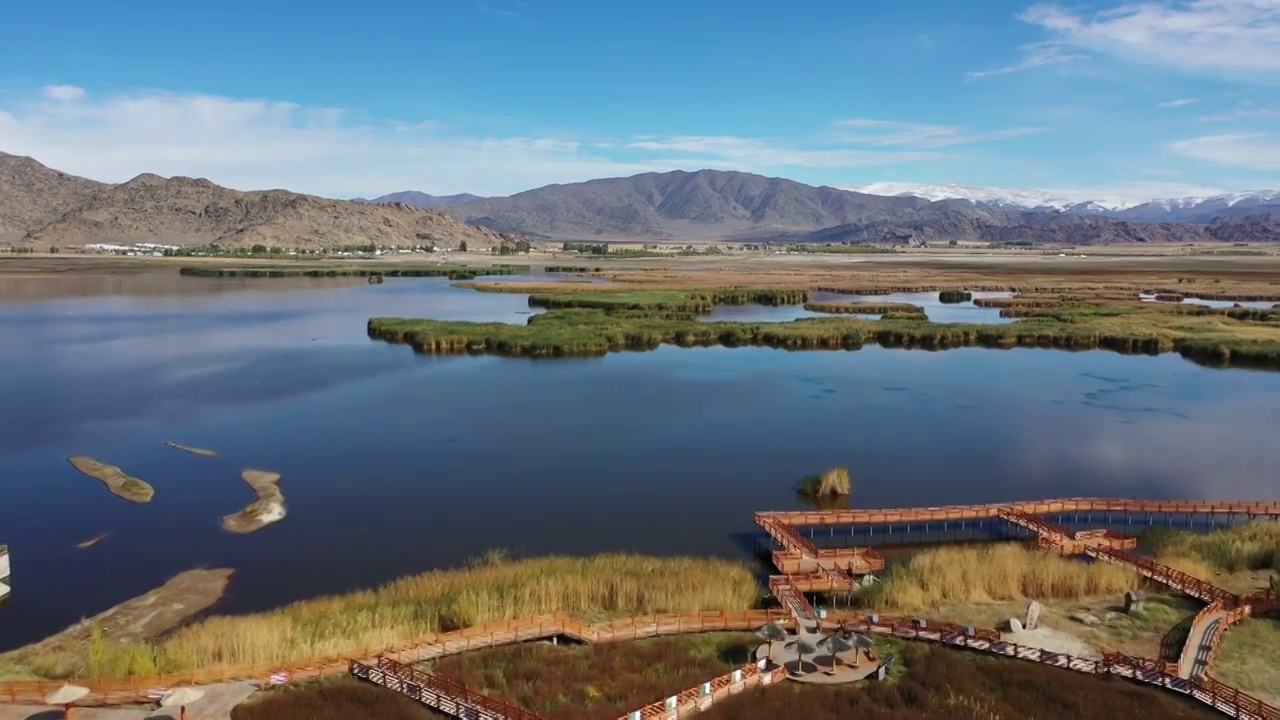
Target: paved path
[(215, 705), (1194, 660)]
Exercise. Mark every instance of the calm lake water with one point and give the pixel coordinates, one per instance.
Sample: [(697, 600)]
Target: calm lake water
[(395, 463)]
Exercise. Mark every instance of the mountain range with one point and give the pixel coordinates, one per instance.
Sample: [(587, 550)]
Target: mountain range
[(1184, 209), (45, 206), (723, 205)]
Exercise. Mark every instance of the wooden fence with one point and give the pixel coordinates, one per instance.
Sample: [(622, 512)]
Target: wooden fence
[(1032, 507), (437, 692), (434, 645), (703, 696)]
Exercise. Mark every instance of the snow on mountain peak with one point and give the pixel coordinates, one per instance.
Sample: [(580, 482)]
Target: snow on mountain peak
[(1075, 201), (956, 191)]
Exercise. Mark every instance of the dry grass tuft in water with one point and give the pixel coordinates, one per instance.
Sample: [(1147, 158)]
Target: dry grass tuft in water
[(411, 607), (993, 573), (830, 483), (118, 482)]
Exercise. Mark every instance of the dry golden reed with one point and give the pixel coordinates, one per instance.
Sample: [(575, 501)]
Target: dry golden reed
[(496, 589), (1007, 571)]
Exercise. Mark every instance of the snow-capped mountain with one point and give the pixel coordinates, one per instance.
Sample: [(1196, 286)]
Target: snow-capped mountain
[(1184, 209), (1028, 199)]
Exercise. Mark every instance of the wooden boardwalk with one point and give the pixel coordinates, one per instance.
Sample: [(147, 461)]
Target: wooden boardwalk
[(804, 568)]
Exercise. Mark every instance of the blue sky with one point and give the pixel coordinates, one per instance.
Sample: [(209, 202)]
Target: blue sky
[(1106, 100)]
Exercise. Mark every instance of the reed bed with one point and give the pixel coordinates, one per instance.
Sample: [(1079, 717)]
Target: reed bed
[(941, 684), (1248, 546), (832, 482), (668, 301), (953, 297), (1006, 571), (598, 682), (863, 308), (411, 607), (345, 699), (455, 272), (598, 323)]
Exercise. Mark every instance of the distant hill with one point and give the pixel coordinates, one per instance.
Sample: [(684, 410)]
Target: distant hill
[(42, 205), (714, 204), (421, 199)]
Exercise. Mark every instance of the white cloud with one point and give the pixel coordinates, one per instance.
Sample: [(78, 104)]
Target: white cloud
[(1254, 151), (1243, 111), (64, 92), (255, 144), (1034, 55), (1180, 102), (1227, 37), (881, 133), (753, 152)]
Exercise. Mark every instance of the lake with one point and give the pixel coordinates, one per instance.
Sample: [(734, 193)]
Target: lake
[(395, 463)]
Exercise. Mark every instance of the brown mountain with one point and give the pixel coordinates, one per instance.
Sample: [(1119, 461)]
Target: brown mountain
[(44, 206), (735, 205)]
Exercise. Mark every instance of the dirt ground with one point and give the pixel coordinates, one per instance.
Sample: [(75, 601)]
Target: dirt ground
[(1137, 634), (147, 616)]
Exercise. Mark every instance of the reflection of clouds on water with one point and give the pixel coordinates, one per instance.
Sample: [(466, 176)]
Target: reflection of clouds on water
[(1220, 455), (1116, 390)]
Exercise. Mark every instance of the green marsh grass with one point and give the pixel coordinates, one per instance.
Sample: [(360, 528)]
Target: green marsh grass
[(597, 323), (952, 297), (864, 308)]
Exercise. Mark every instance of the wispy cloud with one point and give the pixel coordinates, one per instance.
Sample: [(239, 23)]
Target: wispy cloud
[(1253, 151), (64, 93), (755, 152), (1034, 55), (1243, 111), (255, 144), (1181, 102), (1238, 38), (895, 133)]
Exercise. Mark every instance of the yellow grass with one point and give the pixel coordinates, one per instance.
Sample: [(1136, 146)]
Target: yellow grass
[(1248, 546), (832, 482), (496, 589), (996, 573)]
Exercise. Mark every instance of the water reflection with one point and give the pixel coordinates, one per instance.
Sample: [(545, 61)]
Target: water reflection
[(395, 462), (934, 309)]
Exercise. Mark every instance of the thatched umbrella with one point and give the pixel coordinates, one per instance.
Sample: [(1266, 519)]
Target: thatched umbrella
[(182, 697), (65, 696), (835, 644), (772, 632), (803, 647)]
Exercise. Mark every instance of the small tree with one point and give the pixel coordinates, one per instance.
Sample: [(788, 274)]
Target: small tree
[(462, 246)]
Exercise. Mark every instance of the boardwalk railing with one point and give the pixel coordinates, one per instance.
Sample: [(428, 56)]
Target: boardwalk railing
[(435, 645), (701, 698), (1034, 507), (437, 692), (1165, 575)]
